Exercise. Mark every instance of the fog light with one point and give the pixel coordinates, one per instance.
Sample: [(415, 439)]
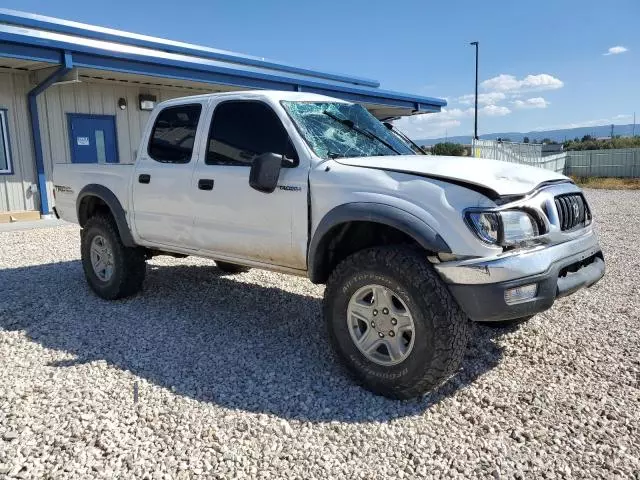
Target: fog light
[(520, 294)]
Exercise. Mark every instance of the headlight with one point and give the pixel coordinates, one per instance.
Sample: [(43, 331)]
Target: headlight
[(503, 228), (517, 226), (486, 225)]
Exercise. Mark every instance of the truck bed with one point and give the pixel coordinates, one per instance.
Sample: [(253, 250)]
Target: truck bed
[(69, 179)]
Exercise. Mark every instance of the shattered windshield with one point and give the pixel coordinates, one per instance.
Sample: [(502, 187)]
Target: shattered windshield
[(334, 130)]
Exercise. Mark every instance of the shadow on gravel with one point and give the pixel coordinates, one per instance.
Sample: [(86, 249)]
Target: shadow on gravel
[(213, 338)]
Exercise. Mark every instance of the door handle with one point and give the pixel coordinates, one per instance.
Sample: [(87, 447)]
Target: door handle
[(144, 178), (205, 184)]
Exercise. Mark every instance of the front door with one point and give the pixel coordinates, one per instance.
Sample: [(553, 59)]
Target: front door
[(231, 218), (93, 138)]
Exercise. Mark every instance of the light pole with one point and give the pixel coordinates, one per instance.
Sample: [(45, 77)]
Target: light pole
[(475, 126)]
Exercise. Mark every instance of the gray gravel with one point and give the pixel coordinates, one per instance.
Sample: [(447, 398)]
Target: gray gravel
[(229, 376)]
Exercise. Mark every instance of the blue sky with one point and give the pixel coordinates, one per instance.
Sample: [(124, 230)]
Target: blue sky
[(543, 64)]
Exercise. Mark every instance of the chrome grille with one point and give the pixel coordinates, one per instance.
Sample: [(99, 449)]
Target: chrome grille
[(573, 211)]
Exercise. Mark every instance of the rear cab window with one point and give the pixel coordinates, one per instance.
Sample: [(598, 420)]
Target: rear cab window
[(173, 134)]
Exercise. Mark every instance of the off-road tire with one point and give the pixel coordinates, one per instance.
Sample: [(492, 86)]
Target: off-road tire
[(231, 267), (129, 265), (441, 327), (507, 323)]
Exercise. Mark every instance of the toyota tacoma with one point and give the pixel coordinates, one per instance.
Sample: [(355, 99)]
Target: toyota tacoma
[(411, 247)]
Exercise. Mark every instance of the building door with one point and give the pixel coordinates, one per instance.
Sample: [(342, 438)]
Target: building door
[(93, 138)]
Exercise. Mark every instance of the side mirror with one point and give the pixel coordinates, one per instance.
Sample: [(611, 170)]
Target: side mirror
[(265, 171)]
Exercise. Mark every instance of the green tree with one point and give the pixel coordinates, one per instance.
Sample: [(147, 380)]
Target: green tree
[(591, 143), (525, 140), (448, 148)]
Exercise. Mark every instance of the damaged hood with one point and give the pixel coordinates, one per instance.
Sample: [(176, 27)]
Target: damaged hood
[(503, 178)]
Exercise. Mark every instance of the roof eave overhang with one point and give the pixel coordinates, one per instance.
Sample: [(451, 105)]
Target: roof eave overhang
[(51, 24), (23, 44)]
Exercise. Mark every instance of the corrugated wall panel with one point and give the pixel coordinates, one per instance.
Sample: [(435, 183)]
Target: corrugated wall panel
[(14, 188), (122, 127), (24, 142), (604, 163), (81, 96)]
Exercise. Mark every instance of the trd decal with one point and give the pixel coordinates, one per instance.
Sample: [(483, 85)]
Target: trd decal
[(62, 189)]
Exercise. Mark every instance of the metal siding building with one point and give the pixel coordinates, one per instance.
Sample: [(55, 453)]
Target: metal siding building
[(55, 72), (15, 194)]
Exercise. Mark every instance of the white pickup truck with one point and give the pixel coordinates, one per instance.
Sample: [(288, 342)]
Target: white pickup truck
[(410, 247)]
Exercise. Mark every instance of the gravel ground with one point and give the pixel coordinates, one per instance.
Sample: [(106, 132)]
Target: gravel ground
[(229, 376)]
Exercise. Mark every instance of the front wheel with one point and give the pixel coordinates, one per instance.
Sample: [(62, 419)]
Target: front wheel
[(112, 270), (393, 322)]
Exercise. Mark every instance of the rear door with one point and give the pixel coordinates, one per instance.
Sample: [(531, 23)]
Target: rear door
[(93, 138), (162, 204)]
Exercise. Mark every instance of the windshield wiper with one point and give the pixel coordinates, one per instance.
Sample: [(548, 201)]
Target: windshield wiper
[(352, 126), (404, 137)]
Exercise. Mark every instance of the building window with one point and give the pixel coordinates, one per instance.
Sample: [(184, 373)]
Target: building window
[(242, 130), (174, 133), (5, 150)]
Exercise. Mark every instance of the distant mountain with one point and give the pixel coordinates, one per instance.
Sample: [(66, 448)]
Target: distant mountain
[(556, 135)]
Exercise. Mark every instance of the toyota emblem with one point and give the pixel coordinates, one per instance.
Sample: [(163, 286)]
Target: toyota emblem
[(576, 208)]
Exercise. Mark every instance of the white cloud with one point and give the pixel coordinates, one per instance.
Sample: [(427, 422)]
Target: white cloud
[(616, 119), (535, 102), (494, 111), (623, 117), (440, 124), (490, 98), (455, 112), (618, 49), (530, 83), (431, 124)]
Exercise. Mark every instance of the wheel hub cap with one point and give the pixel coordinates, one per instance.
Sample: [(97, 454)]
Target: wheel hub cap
[(380, 325), (101, 258)]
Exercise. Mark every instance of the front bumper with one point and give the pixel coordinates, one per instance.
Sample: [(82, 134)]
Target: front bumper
[(479, 285)]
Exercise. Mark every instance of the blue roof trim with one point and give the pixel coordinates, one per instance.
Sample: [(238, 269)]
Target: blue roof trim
[(27, 52), (111, 56), (107, 34)]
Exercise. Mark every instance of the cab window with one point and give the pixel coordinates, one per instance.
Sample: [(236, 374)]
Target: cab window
[(174, 133), (242, 130)]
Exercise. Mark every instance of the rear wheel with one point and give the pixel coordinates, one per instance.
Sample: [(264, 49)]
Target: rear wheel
[(231, 267), (393, 322), (111, 269)]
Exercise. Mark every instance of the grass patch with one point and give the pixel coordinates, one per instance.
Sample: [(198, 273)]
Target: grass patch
[(608, 183)]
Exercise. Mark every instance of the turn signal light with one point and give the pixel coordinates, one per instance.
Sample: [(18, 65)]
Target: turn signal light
[(520, 294)]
